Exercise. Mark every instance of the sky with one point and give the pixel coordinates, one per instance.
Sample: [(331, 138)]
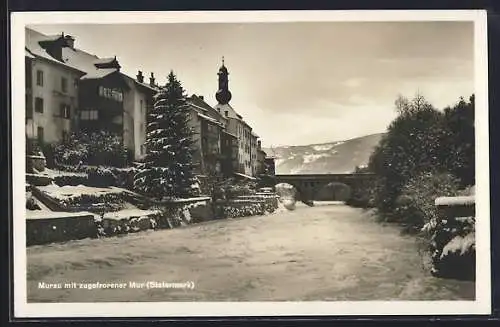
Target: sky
[(298, 83)]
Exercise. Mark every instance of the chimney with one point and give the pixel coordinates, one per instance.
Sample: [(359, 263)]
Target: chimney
[(259, 144), (69, 41), (201, 97), (140, 77), (152, 80)]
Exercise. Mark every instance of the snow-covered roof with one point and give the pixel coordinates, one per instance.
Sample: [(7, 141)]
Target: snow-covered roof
[(28, 54), (136, 82), (99, 73), (70, 57), (199, 103), (210, 119), (197, 107)]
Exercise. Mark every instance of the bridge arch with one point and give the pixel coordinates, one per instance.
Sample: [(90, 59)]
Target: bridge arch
[(333, 191), (325, 187)]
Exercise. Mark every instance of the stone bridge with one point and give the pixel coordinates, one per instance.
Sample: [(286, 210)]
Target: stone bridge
[(326, 187)]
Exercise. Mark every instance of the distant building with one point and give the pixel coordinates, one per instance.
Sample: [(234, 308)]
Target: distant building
[(75, 90), (254, 145), (261, 159), (270, 166)]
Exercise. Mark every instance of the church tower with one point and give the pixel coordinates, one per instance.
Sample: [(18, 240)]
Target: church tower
[(223, 95)]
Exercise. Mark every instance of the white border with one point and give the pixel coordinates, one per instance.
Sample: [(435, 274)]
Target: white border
[(22, 309)]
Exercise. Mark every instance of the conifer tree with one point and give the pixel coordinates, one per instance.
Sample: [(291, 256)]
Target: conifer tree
[(167, 169)]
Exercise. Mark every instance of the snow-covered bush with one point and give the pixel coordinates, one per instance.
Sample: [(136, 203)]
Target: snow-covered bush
[(240, 188), (112, 227), (415, 206), (239, 208), (96, 203), (99, 148), (453, 247)]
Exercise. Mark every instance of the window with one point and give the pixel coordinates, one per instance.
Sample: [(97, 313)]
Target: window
[(226, 113), (142, 109), (39, 134), (75, 83), (114, 94), (89, 114), (143, 149), (39, 78), (39, 105), (65, 135), (65, 111), (64, 84)]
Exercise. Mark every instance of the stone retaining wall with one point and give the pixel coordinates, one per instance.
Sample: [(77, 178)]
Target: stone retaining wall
[(59, 229)]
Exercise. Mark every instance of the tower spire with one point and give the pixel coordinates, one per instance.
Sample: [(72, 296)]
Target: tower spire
[(223, 94)]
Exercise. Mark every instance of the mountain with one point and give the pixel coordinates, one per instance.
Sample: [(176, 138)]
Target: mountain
[(333, 157)]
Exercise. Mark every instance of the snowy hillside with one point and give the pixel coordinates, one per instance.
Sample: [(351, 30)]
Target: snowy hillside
[(334, 157)]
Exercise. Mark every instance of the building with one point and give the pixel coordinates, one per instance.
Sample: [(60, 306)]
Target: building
[(78, 91), (254, 141), (270, 166), (208, 125), (230, 148), (236, 125), (137, 105), (261, 159), (51, 87), (70, 90)]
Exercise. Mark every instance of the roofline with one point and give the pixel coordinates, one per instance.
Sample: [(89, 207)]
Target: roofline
[(136, 82), (205, 109), (210, 119), (57, 62), (146, 86), (192, 104)]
